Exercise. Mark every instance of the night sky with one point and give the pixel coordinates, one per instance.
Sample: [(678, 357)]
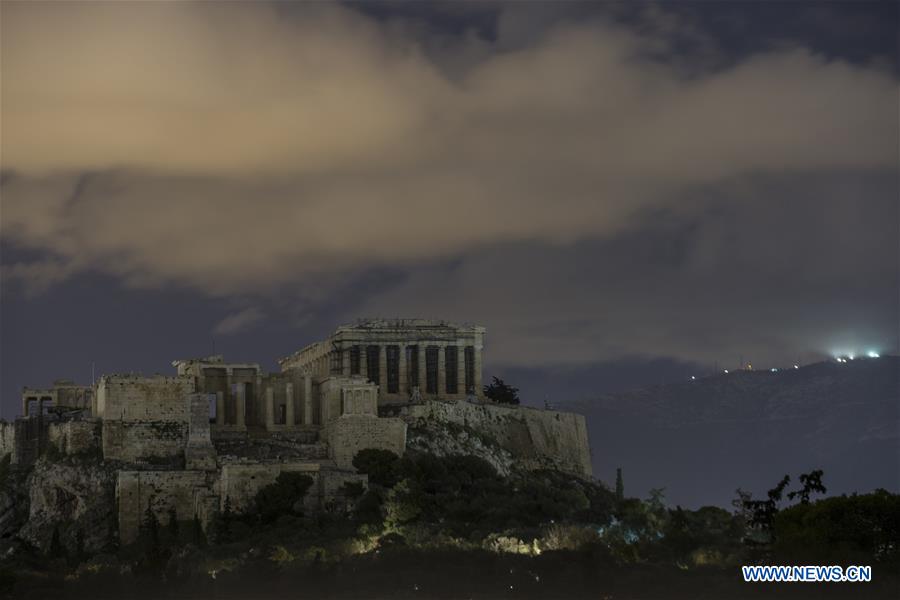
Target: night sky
[(622, 195)]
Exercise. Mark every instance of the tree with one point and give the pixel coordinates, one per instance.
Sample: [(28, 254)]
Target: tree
[(762, 512), (151, 530), (501, 392), (620, 486), (812, 482), (379, 465), (56, 547), (223, 531), (79, 545), (281, 497), (199, 537), (173, 524)]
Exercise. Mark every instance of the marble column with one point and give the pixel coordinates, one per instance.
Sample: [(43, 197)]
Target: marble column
[(345, 362), (403, 378), (307, 400), (442, 371), (270, 408), (289, 404), (478, 384), (422, 370), (364, 361), (230, 399), (241, 405), (220, 408), (461, 369), (382, 370)]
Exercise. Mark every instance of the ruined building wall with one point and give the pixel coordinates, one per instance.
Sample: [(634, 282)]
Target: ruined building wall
[(350, 433), (75, 437), (144, 418), (160, 491), (8, 440), (537, 438), (240, 483)]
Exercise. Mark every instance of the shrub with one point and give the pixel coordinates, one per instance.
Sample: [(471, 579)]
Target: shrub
[(501, 392), (568, 537), (855, 529), (379, 465), (5, 468), (282, 497)]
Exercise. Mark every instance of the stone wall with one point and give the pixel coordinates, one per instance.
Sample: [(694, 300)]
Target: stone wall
[(199, 453), (153, 442), (75, 437), (29, 434), (349, 434), (241, 482), (145, 419), (536, 438), (160, 491), (8, 440), (132, 398)]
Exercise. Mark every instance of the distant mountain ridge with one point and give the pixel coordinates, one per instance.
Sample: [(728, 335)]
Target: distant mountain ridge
[(702, 439)]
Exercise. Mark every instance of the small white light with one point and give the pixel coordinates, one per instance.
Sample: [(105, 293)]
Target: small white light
[(796, 367), (873, 354), (693, 378), (726, 371), (774, 370)]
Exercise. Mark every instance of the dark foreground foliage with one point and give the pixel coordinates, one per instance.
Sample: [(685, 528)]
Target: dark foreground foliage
[(452, 527)]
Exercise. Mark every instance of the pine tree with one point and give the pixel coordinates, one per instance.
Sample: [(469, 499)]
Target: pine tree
[(151, 529), (173, 525), (56, 547), (224, 531), (620, 486), (199, 537), (79, 545)]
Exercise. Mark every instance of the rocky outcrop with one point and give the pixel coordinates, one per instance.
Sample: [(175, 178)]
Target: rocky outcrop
[(13, 507), (75, 497), (535, 439), (443, 439)]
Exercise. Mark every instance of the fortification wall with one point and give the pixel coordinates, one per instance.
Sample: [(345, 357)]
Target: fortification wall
[(75, 437), (8, 440), (145, 419), (241, 482), (149, 442), (537, 438), (160, 491), (127, 398), (349, 434)]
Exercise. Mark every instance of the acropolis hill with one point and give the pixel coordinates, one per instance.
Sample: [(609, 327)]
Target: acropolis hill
[(214, 433)]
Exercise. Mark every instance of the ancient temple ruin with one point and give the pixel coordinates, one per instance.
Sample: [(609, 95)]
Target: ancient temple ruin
[(216, 431)]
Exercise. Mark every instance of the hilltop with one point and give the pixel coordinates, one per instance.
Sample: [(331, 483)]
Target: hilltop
[(737, 429)]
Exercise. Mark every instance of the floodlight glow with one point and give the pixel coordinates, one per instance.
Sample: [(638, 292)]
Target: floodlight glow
[(693, 378), (851, 356), (873, 354)]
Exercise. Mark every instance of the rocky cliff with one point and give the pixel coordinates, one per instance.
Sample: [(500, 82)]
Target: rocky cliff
[(505, 435), (74, 496)]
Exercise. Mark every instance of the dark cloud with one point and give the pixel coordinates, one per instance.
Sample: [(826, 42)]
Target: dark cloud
[(590, 184), (775, 269)]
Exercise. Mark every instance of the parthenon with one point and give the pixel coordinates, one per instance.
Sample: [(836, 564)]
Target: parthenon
[(404, 357)]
